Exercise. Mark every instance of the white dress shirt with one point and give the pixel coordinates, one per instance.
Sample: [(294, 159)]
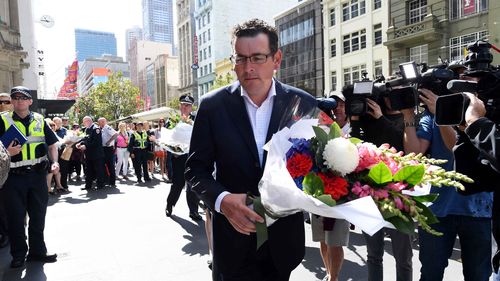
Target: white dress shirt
[(259, 117)]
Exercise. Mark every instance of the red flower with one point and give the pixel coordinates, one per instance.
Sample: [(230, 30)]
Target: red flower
[(299, 165), (335, 186)]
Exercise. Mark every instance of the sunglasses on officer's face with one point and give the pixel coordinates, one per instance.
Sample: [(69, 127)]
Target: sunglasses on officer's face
[(4, 101), (20, 98)]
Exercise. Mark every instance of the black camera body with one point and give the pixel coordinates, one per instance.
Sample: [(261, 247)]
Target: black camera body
[(357, 94), (450, 109)]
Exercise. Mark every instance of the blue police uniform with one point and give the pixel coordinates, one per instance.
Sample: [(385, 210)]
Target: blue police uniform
[(94, 157), (138, 146), (26, 186)]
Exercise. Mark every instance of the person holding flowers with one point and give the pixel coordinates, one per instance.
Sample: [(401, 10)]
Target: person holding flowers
[(469, 217), (232, 125)]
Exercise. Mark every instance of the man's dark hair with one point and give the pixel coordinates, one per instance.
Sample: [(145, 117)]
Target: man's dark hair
[(253, 28)]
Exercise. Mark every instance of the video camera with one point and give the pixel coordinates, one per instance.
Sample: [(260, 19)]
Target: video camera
[(357, 94), (450, 109)]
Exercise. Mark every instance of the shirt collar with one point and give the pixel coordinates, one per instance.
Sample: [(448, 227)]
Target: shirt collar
[(270, 94)]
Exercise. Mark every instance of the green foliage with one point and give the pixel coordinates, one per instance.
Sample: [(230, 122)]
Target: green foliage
[(113, 99), (313, 185), (222, 81), (335, 131), (380, 174), (327, 199), (411, 174)]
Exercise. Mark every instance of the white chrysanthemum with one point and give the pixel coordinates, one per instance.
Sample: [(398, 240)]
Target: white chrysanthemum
[(341, 156)]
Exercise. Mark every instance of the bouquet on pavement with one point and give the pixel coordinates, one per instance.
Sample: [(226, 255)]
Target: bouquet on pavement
[(177, 137)]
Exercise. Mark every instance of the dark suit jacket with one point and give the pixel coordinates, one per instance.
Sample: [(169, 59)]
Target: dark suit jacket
[(222, 135), (93, 142)]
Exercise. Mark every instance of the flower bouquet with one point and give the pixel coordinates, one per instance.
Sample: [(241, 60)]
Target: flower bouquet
[(336, 173), (176, 140)]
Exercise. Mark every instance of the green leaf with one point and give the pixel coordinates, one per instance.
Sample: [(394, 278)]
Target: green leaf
[(335, 131), (386, 214), (407, 227), (355, 140), (431, 218), (321, 136), (327, 199), (380, 173), (410, 174), (313, 185), (426, 198)]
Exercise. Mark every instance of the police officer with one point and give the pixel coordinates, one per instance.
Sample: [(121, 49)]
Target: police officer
[(26, 186), (138, 147), (178, 165), (91, 144)]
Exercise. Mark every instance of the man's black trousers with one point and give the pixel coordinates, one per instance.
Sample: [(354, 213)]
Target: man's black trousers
[(110, 164), (140, 161), (94, 169), (178, 182), (26, 193)]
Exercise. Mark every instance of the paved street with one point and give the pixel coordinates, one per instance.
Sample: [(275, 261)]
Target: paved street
[(123, 235)]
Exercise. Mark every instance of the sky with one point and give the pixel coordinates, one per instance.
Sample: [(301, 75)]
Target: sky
[(58, 42)]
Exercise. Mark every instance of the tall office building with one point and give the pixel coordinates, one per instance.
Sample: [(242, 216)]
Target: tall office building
[(131, 34), (158, 21), (187, 47), (91, 43)]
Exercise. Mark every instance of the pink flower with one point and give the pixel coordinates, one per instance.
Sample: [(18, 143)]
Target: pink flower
[(380, 193), (396, 186), (399, 203), (369, 156), (361, 190)]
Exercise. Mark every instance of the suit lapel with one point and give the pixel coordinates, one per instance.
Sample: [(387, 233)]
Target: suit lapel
[(235, 106)]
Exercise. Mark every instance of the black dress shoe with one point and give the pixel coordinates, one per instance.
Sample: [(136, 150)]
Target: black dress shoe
[(17, 263), (85, 188), (148, 179), (42, 258), (168, 211), (195, 217)]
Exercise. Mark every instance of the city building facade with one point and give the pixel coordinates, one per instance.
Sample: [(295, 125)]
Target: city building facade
[(161, 82), (91, 43), (188, 48), (158, 21), (301, 41), (93, 71), (12, 55), (143, 53), (214, 21), (353, 41), (27, 30), (132, 34)]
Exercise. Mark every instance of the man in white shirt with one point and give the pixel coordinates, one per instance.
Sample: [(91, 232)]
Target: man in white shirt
[(232, 125), (108, 144)]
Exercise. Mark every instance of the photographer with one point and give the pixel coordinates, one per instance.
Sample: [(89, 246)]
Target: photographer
[(484, 136), (382, 125), (465, 216)]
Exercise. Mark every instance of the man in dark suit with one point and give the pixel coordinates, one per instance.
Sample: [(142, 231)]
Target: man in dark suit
[(232, 125), (94, 154)]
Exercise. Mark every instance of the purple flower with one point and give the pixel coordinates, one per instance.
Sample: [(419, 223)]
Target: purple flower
[(299, 146)]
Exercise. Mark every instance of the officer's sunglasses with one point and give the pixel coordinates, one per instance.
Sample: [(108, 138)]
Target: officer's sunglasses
[(4, 101), (20, 98)]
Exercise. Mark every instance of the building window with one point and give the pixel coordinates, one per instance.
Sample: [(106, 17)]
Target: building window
[(210, 68), (355, 41), (458, 44), (332, 17), (205, 54), (353, 74), (208, 34), (199, 23), (377, 68), (204, 21), (204, 37), (352, 9), (201, 71), (461, 8), (208, 17), (377, 34), (209, 51), (417, 10), (201, 55), (418, 54), (333, 76), (333, 48), (377, 4)]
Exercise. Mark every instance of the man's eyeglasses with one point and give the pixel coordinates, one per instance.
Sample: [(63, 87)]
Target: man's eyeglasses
[(255, 59), (20, 98), (4, 101)]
